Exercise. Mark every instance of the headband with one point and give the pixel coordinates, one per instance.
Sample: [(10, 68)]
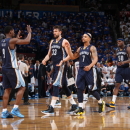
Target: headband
[(121, 39), (88, 34)]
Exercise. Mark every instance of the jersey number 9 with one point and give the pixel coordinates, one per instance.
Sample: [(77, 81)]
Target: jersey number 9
[(3, 51)]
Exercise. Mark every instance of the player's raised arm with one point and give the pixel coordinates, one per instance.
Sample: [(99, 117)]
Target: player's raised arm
[(69, 51), (22, 41), (47, 57)]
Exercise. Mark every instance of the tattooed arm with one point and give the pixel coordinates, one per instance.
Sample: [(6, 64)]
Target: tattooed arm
[(94, 58), (94, 55)]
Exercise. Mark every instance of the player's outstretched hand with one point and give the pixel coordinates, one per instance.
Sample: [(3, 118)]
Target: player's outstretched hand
[(61, 62), (29, 29), (87, 68), (18, 35), (44, 62)]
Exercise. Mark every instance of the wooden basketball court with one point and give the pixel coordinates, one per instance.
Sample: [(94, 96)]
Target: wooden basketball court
[(35, 120)]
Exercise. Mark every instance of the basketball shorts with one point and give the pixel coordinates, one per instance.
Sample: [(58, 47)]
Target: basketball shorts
[(59, 76), (12, 78), (87, 78), (122, 74)]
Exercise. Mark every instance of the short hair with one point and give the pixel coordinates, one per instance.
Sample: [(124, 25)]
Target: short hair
[(21, 56), (58, 27), (8, 29)]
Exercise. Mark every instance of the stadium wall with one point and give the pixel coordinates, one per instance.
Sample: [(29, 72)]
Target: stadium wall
[(49, 7)]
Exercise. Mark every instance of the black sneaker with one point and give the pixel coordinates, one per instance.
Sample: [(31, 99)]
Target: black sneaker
[(79, 112), (50, 110), (101, 107), (73, 108)]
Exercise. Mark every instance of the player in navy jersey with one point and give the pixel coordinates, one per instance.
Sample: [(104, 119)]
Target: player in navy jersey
[(87, 74), (12, 78), (57, 53), (123, 70)]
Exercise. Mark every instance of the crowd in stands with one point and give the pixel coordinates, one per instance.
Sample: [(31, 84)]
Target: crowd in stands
[(74, 25), (125, 25), (124, 5)]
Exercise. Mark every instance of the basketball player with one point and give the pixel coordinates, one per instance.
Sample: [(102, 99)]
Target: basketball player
[(85, 96), (57, 53), (12, 77), (122, 71), (87, 74)]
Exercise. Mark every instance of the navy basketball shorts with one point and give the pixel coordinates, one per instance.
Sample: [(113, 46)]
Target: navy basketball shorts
[(59, 75), (87, 78), (12, 78), (60, 80), (122, 74)]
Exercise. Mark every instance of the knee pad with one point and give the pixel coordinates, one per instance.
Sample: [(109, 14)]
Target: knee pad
[(55, 91)]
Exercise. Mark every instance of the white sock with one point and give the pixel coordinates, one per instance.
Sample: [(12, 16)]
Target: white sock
[(86, 95), (72, 101), (4, 110), (114, 98), (16, 106), (100, 101), (83, 95), (53, 102), (81, 105)]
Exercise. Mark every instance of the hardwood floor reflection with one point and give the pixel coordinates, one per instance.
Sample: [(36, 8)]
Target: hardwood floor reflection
[(118, 119)]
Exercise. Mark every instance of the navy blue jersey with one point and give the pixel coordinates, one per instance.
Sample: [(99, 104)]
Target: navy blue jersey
[(9, 59), (58, 52), (122, 55), (85, 56)]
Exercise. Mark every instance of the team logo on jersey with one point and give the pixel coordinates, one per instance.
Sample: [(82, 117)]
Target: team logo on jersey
[(3, 44)]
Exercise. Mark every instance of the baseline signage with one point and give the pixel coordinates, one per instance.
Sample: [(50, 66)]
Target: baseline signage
[(37, 14)]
